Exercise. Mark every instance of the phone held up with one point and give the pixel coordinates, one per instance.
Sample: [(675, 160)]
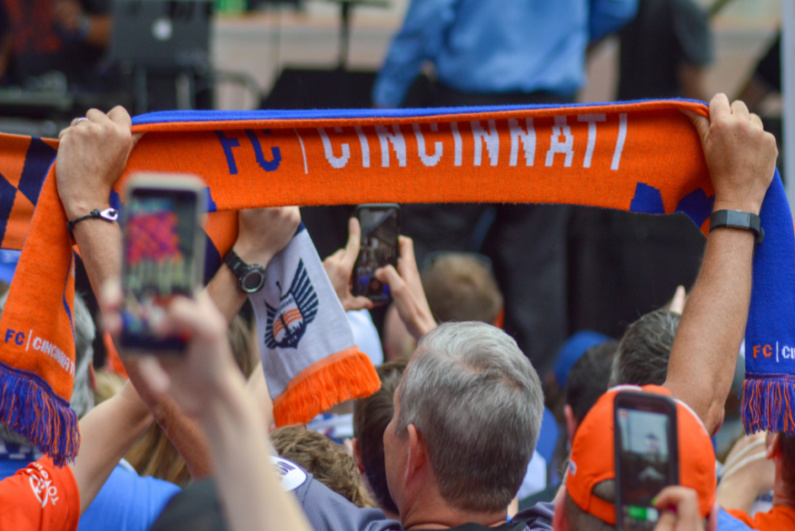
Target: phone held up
[(163, 250), (379, 247), (646, 453)]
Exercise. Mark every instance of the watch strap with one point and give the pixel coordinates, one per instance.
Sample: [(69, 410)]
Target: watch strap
[(737, 219), (242, 272)]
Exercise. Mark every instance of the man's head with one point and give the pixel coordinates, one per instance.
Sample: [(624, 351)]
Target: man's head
[(644, 350), (324, 459), (370, 418), (460, 287), (471, 402), (590, 480), (586, 382)]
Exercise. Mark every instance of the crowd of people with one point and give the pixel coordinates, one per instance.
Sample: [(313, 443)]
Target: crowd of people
[(447, 441)]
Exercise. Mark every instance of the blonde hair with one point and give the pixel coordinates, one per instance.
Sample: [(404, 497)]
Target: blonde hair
[(326, 460)]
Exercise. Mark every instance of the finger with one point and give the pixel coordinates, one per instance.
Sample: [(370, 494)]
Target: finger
[(756, 120), (97, 116), (407, 259), (740, 110), (354, 242), (63, 132), (77, 121), (667, 522), (120, 116), (152, 373), (685, 501), (359, 303), (389, 275), (719, 107), (700, 123), (678, 302), (136, 137), (193, 317)]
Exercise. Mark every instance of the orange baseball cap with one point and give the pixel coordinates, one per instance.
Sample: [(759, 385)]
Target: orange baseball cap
[(593, 457)]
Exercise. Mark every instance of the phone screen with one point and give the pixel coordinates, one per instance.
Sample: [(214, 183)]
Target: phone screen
[(159, 261), (380, 229), (646, 463)]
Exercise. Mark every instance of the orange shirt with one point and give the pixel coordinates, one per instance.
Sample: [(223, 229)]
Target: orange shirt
[(40, 496), (773, 520)]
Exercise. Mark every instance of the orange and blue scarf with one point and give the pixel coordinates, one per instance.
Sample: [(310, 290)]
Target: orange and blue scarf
[(638, 156)]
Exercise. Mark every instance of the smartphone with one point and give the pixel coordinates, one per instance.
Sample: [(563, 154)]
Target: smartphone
[(646, 456), (163, 248), (380, 229)]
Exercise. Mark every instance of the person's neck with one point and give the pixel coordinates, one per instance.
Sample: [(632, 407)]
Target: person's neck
[(437, 514), (782, 496)]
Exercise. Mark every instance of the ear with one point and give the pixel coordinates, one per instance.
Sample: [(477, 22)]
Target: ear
[(357, 455), (418, 453), (772, 446), (559, 521), (571, 422)]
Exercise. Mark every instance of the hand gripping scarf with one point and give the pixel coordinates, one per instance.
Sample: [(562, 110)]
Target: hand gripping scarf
[(639, 157)]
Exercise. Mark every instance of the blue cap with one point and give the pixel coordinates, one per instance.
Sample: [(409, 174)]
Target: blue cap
[(572, 349)]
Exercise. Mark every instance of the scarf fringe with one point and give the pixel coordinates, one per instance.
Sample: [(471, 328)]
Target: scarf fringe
[(346, 375), (29, 407), (768, 403)]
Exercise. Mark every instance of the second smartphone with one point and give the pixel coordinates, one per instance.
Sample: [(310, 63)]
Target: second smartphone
[(647, 458), (379, 247)]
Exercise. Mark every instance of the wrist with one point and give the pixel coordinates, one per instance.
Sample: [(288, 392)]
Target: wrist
[(251, 255), (81, 207), (745, 205)]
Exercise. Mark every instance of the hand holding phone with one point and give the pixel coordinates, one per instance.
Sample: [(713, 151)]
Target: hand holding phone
[(163, 250), (646, 456), (380, 227)]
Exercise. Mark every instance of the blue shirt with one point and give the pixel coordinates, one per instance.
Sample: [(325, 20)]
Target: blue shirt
[(498, 46), (127, 502)]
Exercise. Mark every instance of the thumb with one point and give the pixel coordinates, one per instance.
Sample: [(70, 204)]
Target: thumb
[(701, 124)]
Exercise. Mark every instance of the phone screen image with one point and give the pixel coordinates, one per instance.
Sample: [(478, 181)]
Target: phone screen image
[(159, 261), (380, 230), (645, 465)]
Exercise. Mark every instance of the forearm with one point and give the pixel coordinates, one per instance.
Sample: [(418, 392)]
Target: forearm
[(249, 488), (733, 493), (225, 294), (711, 330), (107, 433)]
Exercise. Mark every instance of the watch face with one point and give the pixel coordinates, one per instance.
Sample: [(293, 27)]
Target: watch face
[(252, 280)]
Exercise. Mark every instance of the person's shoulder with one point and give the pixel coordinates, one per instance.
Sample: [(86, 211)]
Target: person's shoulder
[(538, 517), (40, 496)]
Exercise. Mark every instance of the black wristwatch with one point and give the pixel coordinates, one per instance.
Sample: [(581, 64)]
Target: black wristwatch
[(250, 277), (737, 219)]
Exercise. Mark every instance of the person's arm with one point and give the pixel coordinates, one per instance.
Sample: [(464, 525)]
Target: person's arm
[(90, 28), (107, 433), (408, 295), (741, 158), (418, 40), (609, 16), (262, 233), (207, 385), (747, 473)]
